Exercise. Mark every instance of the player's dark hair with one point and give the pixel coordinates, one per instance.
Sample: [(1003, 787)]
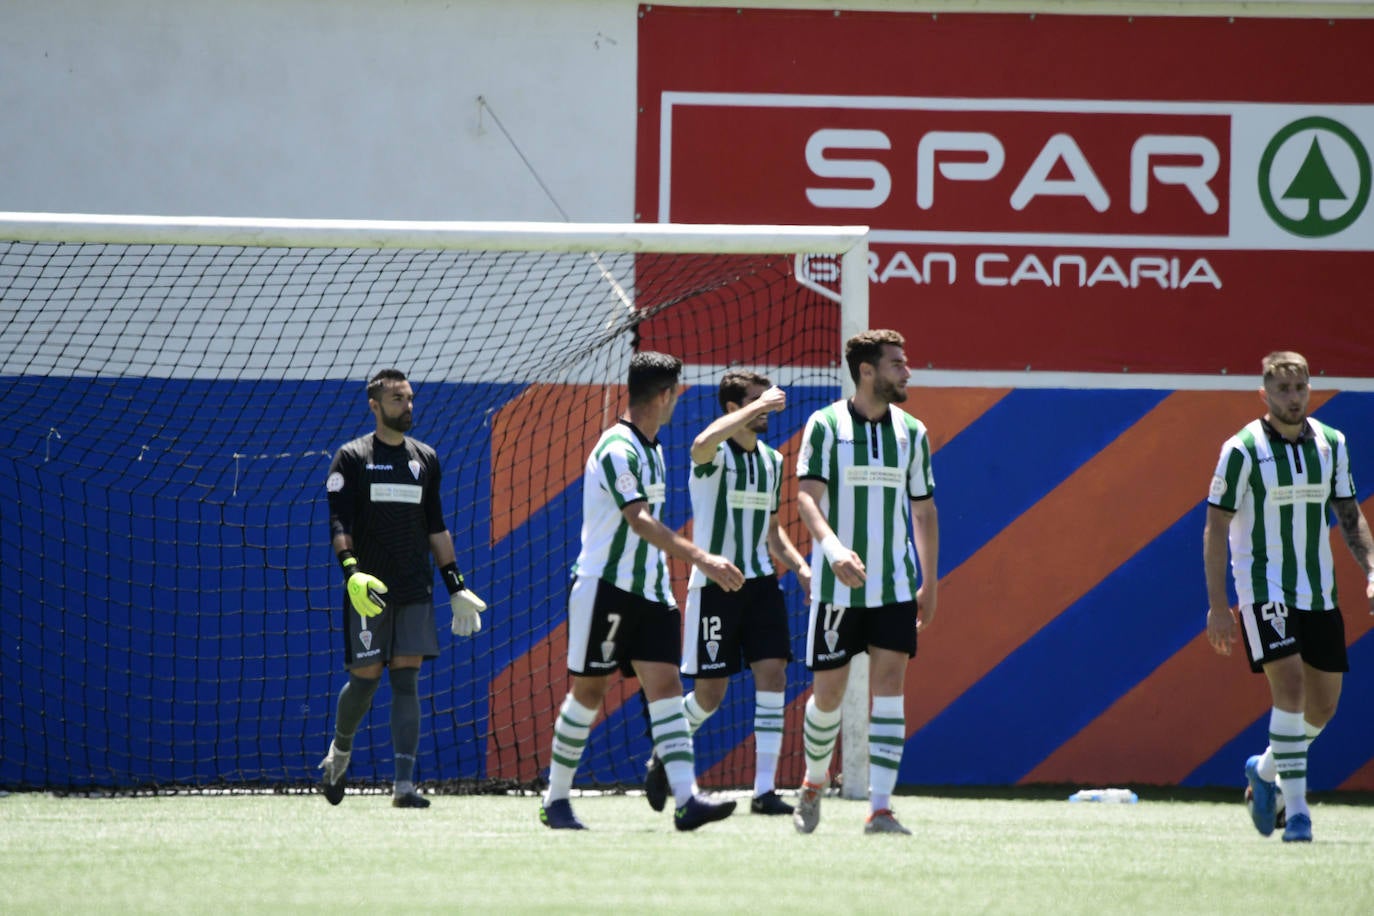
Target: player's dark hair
[(867, 347), (735, 385), (652, 373), (380, 380)]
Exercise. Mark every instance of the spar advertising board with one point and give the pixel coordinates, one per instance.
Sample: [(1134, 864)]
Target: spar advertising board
[(1067, 193)]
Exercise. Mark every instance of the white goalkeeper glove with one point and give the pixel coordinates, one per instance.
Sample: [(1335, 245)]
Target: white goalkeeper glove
[(467, 612), (467, 607), (364, 591)]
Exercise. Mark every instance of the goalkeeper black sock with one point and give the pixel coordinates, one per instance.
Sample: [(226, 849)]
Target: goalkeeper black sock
[(405, 721), (355, 699)]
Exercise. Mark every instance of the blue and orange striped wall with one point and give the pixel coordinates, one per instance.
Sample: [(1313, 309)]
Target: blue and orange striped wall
[(1068, 645), (180, 606)]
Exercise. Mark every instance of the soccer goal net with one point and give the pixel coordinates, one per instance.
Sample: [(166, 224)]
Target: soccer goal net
[(173, 392)]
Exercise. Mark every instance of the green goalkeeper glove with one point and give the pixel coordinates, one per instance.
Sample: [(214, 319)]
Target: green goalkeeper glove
[(365, 591)]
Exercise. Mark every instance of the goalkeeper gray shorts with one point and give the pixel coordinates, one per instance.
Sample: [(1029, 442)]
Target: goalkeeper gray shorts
[(401, 629)]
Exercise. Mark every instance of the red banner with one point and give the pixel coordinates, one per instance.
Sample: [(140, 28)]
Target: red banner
[(1052, 192)]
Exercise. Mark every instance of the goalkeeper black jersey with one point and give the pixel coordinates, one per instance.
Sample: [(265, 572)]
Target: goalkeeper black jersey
[(386, 497)]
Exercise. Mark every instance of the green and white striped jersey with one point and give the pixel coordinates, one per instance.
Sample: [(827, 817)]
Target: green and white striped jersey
[(1281, 495), (872, 472), (623, 468), (734, 497)]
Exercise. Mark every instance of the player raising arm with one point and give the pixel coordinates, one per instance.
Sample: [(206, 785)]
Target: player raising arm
[(736, 485)]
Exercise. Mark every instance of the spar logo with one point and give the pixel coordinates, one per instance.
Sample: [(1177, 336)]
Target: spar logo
[(1314, 177), (1025, 167), (1024, 171)]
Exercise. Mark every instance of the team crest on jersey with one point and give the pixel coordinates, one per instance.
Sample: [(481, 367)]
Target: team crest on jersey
[(607, 649), (334, 483), (626, 484), (1218, 489), (365, 637), (414, 468), (712, 648)]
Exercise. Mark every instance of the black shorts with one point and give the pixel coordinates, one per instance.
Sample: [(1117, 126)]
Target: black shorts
[(400, 629), (1273, 631), (835, 635), (725, 630), (608, 628)]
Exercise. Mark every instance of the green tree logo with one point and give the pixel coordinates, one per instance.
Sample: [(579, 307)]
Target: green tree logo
[(1313, 181)]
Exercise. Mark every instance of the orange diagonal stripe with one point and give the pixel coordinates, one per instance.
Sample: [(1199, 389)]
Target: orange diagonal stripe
[(1362, 780), (1176, 719), (539, 442)]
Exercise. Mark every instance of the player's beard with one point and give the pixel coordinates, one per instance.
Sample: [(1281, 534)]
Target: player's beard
[(759, 424), (889, 391), (400, 423), (1294, 417)]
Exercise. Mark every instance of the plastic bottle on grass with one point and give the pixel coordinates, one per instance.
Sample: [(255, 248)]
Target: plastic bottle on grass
[(1115, 796)]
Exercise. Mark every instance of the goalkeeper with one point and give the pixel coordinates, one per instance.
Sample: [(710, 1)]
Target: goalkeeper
[(385, 521)]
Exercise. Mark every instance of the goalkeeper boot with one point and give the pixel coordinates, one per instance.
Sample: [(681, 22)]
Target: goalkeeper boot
[(769, 803), (405, 796), (701, 810), (558, 815), (808, 813), (884, 821), (334, 765), (1260, 798), (656, 784)]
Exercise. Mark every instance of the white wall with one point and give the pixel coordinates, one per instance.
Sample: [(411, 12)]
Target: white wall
[(350, 108), (321, 108)]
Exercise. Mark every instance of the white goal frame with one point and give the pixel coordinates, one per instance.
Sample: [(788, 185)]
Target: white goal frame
[(850, 243)]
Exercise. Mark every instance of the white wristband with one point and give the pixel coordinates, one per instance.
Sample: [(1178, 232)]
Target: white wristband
[(834, 548)]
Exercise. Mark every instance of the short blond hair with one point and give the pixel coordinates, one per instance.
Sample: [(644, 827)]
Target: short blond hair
[(1284, 362)]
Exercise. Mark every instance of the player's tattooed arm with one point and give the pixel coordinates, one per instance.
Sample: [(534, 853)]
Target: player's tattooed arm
[(1355, 530)]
